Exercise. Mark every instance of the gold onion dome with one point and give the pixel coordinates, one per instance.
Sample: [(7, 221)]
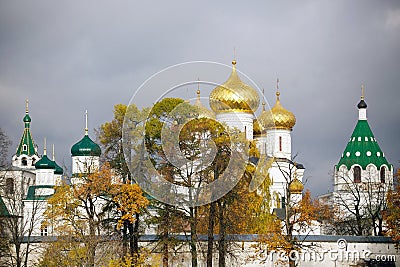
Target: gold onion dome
[(203, 112), (257, 128), (278, 117), (296, 187), (234, 95)]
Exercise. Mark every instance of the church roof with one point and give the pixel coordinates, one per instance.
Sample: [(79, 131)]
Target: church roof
[(234, 95), (58, 169), (362, 148), (45, 163), (3, 209), (278, 117), (26, 145), (40, 192), (85, 147)]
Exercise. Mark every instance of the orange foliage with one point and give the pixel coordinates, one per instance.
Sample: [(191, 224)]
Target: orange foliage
[(392, 215), (130, 200)]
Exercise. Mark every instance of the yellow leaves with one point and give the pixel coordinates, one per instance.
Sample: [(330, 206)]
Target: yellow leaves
[(94, 184), (146, 258), (392, 215), (130, 200)]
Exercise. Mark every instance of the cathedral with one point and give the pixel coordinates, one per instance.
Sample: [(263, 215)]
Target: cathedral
[(363, 175)]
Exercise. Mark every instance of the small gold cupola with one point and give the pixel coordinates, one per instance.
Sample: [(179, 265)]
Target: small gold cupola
[(203, 112), (278, 117), (296, 187)]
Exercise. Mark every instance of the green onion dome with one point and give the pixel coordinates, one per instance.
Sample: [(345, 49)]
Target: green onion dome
[(86, 147), (58, 169), (44, 163), (27, 118)]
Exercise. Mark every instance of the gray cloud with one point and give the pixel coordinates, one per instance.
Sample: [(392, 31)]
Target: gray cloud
[(68, 56)]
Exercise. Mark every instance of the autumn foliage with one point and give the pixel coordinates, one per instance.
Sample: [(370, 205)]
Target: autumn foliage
[(392, 215)]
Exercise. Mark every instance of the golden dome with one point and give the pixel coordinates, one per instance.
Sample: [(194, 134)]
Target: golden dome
[(234, 95), (203, 112), (278, 117), (257, 128), (296, 187)]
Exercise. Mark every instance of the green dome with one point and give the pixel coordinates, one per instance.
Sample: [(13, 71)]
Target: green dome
[(45, 163), (58, 169), (362, 149), (86, 147), (27, 118)]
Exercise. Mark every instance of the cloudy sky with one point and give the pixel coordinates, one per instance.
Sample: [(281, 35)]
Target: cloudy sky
[(68, 56)]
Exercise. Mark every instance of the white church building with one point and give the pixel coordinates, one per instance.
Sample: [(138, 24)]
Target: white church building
[(32, 177)]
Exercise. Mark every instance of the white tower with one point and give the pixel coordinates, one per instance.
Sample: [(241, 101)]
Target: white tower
[(274, 140), (45, 169), (85, 155)]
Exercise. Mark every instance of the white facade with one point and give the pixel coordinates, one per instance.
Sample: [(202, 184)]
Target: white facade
[(240, 120), (85, 164), (279, 143), (24, 161)]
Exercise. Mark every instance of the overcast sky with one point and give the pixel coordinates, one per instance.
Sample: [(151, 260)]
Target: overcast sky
[(68, 56)]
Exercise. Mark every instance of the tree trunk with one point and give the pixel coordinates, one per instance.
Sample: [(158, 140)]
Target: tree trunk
[(193, 236), (136, 235), (165, 235), (91, 244), (222, 233), (131, 250), (210, 234), (125, 239)]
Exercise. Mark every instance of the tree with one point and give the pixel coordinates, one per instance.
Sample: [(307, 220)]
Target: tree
[(19, 224), (392, 214), (237, 211), (360, 205), (4, 146), (78, 216), (111, 138), (160, 153), (300, 213)]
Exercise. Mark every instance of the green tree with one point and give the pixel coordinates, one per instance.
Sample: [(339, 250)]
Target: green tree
[(167, 215)]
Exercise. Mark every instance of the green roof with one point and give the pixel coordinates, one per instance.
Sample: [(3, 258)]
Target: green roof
[(3, 209), (26, 145), (58, 169), (45, 163), (86, 147), (38, 192), (362, 149)]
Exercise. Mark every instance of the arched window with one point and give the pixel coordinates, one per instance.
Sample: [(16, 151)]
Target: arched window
[(10, 186), (280, 143), (382, 174), (33, 162), (357, 174), (24, 147), (24, 162)]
